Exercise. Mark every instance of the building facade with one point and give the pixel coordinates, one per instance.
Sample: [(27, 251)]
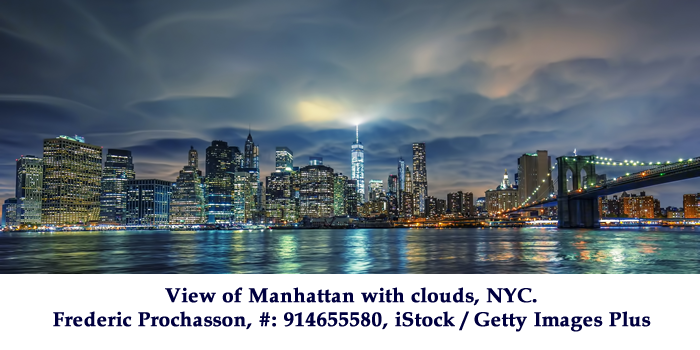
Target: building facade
[(503, 198), (188, 204), (219, 182), (9, 213), (116, 173), (30, 176), (316, 191), (534, 177), (420, 179), (460, 204), (284, 159), (691, 205), (148, 202), (72, 181), (357, 152), (641, 206)]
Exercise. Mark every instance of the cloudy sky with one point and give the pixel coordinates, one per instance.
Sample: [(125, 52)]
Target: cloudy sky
[(480, 82)]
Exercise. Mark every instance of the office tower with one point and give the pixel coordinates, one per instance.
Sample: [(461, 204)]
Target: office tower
[(534, 177), (148, 202), (503, 198), (691, 205), (315, 160), (339, 189), (188, 204), (351, 198), (117, 171), (401, 185), (408, 202), (440, 207), (9, 213), (30, 175), (393, 184), (279, 202), (430, 207), (71, 184), (376, 189), (460, 203), (236, 159), (218, 180), (284, 159), (357, 151), (250, 154), (420, 179), (316, 190)]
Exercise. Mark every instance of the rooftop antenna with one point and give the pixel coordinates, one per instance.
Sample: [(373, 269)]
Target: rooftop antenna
[(357, 133)]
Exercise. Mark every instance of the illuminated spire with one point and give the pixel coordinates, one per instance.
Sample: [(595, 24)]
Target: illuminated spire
[(357, 133)]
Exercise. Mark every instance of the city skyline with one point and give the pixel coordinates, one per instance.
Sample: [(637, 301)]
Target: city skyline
[(479, 94)]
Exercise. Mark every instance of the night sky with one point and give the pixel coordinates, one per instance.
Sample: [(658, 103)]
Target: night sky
[(480, 82)]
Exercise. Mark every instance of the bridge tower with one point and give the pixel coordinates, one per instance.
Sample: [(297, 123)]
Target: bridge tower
[(575, 210)]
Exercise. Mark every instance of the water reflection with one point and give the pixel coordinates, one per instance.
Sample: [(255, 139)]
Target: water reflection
[(499, 250)]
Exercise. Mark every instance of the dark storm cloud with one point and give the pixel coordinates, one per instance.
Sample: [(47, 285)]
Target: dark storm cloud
[(480, 82)]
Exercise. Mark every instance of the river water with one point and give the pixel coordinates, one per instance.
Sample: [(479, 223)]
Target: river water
[(470, 250)]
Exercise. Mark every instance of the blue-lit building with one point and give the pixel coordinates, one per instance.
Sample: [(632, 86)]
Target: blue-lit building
[(219, 182), (148, 202), (9, 213), (357, 172)]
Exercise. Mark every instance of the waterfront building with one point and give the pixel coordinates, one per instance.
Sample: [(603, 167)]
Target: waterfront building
[(188, 204), (148, 202), (357, 151), (280, 206), (219, 182), (351, 198), (460, 204), (316, 191), (440, 207), (117, 171), (431, 207), (691, 205), (480, 205), (30, 175), (408, 202), (401, 185), (9, 213), (534, 176), (503, 198), (420, 179), (284, 159), (315, 160), (339, 189), (641, 206), (71, 183)]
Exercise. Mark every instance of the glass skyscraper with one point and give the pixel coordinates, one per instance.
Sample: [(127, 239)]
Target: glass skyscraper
[(148, 202), (284, 159), (358, 165), (117, 171), (188, 204), (219, 182), (71, 184), (30, 175), (420, 179), (401, 187)]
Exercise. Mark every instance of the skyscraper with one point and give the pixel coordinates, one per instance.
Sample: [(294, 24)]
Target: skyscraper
[(376, 189), (250, 154), (401, 186), (71, 184), (117, 171), (284, 159), (358, 165), (148, 202), (219, 182), (316, 190), (30, 175), (339, 200), (408, 202), (188, 203), (251, 160), (236, 159), (420, 179), (9, 213), (534, 176)]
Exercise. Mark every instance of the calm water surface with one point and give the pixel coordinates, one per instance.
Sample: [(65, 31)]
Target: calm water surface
[(503, 250)]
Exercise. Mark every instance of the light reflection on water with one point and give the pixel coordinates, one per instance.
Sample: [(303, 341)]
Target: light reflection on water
[(502, 250)]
